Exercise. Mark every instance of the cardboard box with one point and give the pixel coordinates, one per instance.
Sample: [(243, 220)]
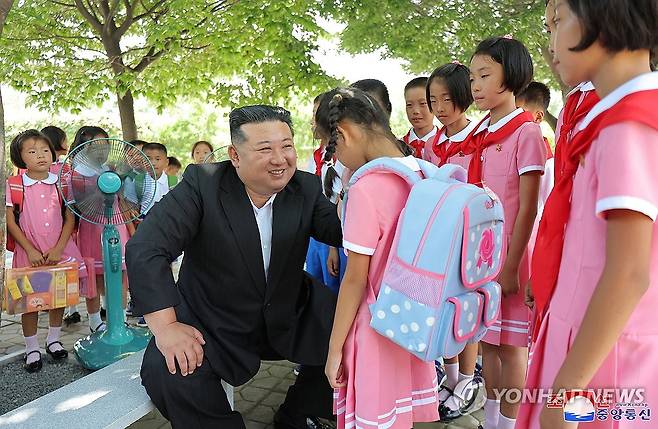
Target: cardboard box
[(42, 288)]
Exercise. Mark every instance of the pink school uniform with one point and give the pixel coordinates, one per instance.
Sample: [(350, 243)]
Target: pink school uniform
[(418, 143), (462, 159), (608, 178), (386, 385), (41, 221), (522, 152)]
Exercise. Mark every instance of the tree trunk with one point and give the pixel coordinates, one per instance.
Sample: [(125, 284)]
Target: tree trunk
[(5, 6), (127, 114)]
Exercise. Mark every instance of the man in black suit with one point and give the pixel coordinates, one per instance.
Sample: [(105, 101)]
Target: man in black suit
[(241, 296)]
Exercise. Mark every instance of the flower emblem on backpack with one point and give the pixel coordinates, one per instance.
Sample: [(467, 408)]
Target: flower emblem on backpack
[(486, 248)]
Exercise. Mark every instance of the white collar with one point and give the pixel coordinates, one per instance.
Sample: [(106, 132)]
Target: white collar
[(50, 180), (163, 179), (503, 121), (413, 136), (460, 136), (581, 87), (269, 202), (645, 82), (409, 161)]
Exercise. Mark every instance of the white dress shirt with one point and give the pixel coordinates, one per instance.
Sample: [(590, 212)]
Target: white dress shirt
[(264, 221), (161, 189)]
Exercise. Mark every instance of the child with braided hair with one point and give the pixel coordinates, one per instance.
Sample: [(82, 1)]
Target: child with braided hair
[(378, 383)]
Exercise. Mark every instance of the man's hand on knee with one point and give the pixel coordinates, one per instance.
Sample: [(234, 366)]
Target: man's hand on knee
[(176, 341)]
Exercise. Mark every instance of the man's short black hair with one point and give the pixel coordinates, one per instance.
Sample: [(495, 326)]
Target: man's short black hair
[(417, 82), (536, 94), (456, 78), (155, 146), (256, 114), (515, 59), (174, 162), (617, 24)]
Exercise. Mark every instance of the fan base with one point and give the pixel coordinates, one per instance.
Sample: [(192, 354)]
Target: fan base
[(97, 350)]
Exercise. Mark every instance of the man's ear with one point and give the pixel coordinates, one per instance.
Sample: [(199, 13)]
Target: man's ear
[(234, 156)]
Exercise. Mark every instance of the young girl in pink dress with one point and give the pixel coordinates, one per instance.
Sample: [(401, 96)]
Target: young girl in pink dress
[(508, 157), (89, 239), (43, 235), (595, 270), (449, 94), (378, 384)]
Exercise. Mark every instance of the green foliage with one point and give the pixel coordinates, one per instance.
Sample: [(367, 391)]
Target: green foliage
[(429, 33), (226, 52)]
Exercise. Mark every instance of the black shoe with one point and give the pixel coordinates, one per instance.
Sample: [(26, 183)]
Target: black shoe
[(72, 318), (34, 366), (58, 354), (478, 370), (103, 313)]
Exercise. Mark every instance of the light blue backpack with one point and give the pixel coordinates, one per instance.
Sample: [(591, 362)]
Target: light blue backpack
[(438, 292)]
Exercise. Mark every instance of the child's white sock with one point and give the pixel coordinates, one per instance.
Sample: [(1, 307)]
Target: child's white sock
[(491, 414), (31, 344), (479, 360), (452, 371), (95, 320), (455, 401), (505, 422), (53, 335), (452, 374), (71, 309), (103, 302)]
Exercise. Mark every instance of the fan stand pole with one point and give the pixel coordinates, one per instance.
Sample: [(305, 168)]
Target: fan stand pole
[(118, 340)]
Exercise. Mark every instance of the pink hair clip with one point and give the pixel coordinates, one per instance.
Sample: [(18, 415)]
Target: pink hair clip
[(508, 37), (457, 62)]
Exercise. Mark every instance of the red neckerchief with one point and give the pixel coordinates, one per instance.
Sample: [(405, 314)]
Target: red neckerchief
[(636, 107), (317, 156), (549, 151), (443, 152), (485, 139), (572, 115), (417, 145)]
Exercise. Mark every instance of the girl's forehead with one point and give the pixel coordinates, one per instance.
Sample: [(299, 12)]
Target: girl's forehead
[(33, 143), (482, 61)]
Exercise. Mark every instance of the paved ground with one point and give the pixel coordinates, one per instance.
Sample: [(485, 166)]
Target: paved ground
[(257, 400)]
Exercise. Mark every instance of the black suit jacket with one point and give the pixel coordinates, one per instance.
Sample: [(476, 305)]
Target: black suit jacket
[(222, 289)]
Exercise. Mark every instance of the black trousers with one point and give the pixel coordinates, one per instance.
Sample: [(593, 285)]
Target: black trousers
[(199, 401)]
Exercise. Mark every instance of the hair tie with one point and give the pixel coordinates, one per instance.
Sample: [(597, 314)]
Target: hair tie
[(508, 37), (457, 62)]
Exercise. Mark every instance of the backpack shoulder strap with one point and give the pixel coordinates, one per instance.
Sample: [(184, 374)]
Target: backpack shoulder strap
[(388, 165), (17, 190)]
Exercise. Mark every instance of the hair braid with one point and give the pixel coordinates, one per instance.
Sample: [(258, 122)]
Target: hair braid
[(334, 113)]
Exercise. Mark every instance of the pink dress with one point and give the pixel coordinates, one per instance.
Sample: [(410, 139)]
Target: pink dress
[(41, 222), (607, 179), (522, 152), (387, 387), (459, 159)]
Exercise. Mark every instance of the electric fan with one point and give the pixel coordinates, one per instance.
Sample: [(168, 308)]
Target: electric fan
[(217, 155), (97, 183)]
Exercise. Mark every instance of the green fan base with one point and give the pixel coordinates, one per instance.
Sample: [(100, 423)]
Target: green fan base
[(101, 349)]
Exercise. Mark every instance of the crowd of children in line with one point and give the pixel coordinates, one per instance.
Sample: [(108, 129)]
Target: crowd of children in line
[(45, 233), (595, 248)]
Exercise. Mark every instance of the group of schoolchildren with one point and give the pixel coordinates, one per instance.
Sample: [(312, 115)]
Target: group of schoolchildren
[(580, 276), (44, 232)]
